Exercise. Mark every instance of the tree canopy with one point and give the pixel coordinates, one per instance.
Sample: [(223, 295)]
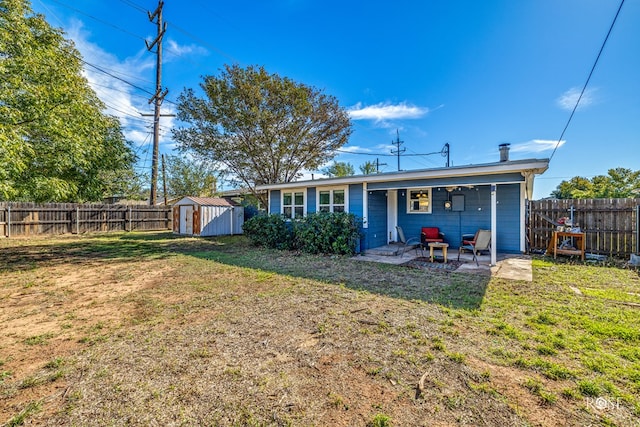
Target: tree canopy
[(56, 144), (368, 168), (338, 169), (188, 177), (618, 183), (262, 127)]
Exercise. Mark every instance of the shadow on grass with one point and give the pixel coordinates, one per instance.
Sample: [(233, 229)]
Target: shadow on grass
[(451, 289), (457, 290)]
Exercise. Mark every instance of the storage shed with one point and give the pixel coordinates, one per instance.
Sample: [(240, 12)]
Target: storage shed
[(207, 216)]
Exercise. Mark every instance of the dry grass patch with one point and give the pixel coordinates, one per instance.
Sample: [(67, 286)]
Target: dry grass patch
[(153, 329)]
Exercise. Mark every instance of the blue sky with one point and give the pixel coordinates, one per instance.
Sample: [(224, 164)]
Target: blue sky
[(474, 74)]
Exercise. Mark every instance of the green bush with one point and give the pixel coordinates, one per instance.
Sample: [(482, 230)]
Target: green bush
[(326, 233), (271, 231)]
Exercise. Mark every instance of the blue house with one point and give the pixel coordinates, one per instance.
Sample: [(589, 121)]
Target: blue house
[(458, 200)]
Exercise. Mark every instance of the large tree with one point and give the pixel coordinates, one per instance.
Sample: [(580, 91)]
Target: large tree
[(188, 177), (618, 183), (56, 144), (262, 127)]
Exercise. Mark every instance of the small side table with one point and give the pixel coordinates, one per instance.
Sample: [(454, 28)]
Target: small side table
[(438, 245)]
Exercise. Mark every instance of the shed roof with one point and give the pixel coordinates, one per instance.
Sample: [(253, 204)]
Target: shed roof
[(206, 201)]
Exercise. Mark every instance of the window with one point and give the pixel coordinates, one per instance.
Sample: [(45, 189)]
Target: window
[(419, 200), (332, 200), (293, 204)]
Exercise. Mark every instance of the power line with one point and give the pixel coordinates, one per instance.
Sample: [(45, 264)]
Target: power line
[(134, 6), (388, 155), (588, 79), (98, 19), (115, 77), (196, 38)]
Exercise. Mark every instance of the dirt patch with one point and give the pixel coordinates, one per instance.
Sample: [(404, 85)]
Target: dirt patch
[(50, 310)]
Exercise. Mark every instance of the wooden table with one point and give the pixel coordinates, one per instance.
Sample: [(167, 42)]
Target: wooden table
[(577, 249), (438, 245)]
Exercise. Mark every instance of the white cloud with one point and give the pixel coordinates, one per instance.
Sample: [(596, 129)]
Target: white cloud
[(354, 148), (536, 146), (387, 111), (177, 50), (567, 101)]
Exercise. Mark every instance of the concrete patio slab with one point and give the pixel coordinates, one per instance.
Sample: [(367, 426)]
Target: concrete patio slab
[(508, 266)]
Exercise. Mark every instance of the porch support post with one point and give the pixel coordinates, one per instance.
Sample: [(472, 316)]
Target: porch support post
[(494, 223), (523, 217), (365, 206), (268, 202)]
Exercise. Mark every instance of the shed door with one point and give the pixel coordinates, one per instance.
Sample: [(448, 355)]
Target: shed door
[(186, 219)]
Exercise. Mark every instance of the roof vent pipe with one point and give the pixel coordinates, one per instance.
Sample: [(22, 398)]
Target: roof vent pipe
[(504, 152)]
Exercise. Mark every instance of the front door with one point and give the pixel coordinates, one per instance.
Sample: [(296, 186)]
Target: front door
[(186, 219)]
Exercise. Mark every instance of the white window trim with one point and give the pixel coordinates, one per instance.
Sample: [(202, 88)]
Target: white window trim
[(331, 190), (429, 194), (302, 190)]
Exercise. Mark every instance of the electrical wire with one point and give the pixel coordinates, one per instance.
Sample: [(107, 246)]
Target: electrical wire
[(584, 88), (134, 6), (109, 24), (199, 40), (388, 155)]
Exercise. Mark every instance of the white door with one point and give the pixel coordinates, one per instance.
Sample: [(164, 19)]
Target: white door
[(392, 215), (186, 219)]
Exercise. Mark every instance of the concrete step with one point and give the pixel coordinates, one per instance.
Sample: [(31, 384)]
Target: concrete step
[(388, 250)]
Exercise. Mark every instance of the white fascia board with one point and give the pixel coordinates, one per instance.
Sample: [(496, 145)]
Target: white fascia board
[(536, 166)]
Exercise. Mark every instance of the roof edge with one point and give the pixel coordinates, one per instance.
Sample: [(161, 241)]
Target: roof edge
[(535, 166)]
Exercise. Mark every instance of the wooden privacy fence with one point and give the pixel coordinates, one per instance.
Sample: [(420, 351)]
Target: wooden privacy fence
[(27, 219), (610, 225)]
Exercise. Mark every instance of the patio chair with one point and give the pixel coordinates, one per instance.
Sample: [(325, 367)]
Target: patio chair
[(431, 234), (413, 242), (481, 242)]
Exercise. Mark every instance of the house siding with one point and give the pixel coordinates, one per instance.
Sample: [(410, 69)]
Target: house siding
[(311, 199), (274, 202), (508, 218), (476, 215), (355, 200)]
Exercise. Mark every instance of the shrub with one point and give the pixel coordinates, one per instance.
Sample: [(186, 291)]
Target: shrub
[(327, 233), (271, 231)]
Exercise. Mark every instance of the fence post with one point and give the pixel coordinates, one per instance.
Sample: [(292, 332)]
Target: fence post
[(130, 215), (77, 219), (638, 229), (8, 221)]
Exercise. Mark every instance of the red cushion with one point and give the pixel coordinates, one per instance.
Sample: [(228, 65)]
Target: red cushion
[(431, 232)]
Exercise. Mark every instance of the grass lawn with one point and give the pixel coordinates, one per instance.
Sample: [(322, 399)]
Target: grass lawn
[(153, 329)]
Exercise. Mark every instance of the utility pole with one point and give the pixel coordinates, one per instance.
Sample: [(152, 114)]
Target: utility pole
[(445, 152), (158, 97), (164, 182), (378, 164), (398, 151)]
